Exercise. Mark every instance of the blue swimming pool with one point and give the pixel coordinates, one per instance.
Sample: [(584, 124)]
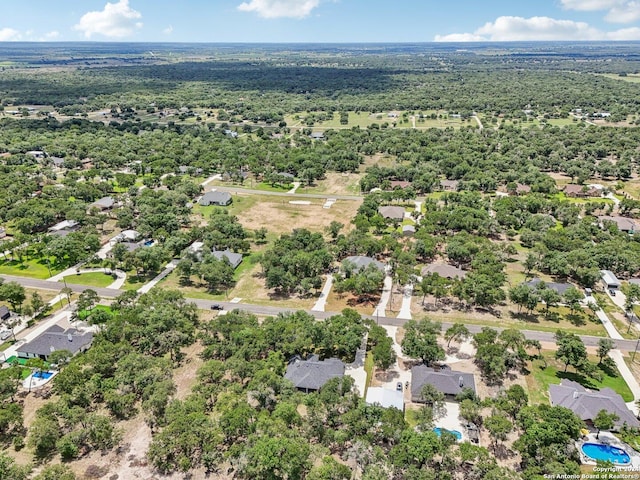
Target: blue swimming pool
[(43, 375), (598, 451), (439, 431)]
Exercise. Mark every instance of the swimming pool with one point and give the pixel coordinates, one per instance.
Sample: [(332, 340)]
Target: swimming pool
[(43, 375), (598, 451), (439, 431)]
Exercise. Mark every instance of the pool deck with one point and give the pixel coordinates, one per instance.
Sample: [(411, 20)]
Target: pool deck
[(30, 383), (607, 438)]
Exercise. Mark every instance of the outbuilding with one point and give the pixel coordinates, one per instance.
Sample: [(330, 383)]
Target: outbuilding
[(609, 280)]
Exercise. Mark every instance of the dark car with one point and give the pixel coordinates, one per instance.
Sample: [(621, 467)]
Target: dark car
[(612, 292), (217, 306), (399, 386)]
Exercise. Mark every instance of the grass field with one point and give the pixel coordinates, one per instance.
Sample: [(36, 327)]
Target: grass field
[(85, 313), (335, 183), (540, 379), (92, 279), (29, 268)]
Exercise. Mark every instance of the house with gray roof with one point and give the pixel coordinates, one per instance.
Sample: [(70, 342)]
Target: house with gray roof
[(624, 224), (53, 339), (311, 375), (234, 259), (4, 312), (587, 403), (449, 382), (215, 198), (449, 185), (560, 288), (444, 270), (609, 280), (362, 262), (391, 212), (105, 203), (64, 228)]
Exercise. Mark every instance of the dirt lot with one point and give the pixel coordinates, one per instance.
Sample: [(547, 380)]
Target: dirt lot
[(278, 215)]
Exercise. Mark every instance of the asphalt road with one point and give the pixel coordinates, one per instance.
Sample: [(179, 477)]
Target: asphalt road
[(625, 345)]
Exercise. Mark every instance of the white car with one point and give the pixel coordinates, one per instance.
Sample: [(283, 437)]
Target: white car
[(4, 335)]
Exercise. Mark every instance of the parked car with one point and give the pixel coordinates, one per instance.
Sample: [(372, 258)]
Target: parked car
[(217, 306), (588, 292), (4, 335), (612, 292)]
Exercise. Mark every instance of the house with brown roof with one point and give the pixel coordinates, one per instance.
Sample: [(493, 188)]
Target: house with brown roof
[(449, 185), (400, 184), (391, 212), (444, 270), (624, 224), (581, 191)]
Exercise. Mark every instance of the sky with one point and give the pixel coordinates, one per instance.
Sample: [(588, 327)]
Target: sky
[(318, 21)]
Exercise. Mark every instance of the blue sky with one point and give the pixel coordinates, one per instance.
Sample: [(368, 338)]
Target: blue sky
[(318, 20)]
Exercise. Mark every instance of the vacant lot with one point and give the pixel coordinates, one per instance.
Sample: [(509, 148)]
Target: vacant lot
[(335, 183), (278, 215)]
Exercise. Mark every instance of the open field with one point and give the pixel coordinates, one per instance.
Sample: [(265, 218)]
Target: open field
[(278, 215), (34, 268), (93, 279), (335, 183)]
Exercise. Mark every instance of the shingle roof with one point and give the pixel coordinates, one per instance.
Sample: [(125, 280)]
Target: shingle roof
[(396, 213), (560, 288), (449, 382), (234, 258), (586, 404), (4, 312), (362, 262), (55, 338), (312, 374), (444, 270), (221, 198), (105, 202), (624, 224)]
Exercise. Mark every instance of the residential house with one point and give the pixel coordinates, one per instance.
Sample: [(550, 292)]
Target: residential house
[(399, 184), (126, 236), (587, 403), (560, 288), (53, 339), (408, 230), (391, 212), (609, 280), (522, 189), (105, 203), (624, 224), (385, 397), (234, 259), (215, 198), (231, 133), (64, 228), (57, 162), (574, 191), (317, 135), (286, 176), (310, 375), (449, 382), (37, 154), (361, 262), (444, 270), (449, 185)]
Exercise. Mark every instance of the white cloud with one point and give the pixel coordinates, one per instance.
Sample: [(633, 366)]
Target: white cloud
[(508, 29), (117, 20), (9, 35), (280, 8), (51, 35), (168, 30), (618, 11)]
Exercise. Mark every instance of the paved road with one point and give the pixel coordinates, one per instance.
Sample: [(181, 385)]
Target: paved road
[(626, 345), (247, 191)]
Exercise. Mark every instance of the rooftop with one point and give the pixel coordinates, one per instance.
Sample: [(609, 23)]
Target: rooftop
[(56, 338), (449, 382), (362, 262), (385, 397), (313, 373)]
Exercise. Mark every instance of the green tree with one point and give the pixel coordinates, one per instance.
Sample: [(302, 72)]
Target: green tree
[(13, 293), (605, 345), (605, 421), (571, 349), (498, 427), (421, 341), (457, 332), (10, 471)]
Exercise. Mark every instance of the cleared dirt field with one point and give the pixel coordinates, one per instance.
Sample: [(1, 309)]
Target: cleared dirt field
[(278, 215)]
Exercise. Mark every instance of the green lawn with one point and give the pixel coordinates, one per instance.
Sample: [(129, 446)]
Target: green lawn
[(267, 187), (92, 279), (369, 367), (35, 268), (541, 377), (85, 313)]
